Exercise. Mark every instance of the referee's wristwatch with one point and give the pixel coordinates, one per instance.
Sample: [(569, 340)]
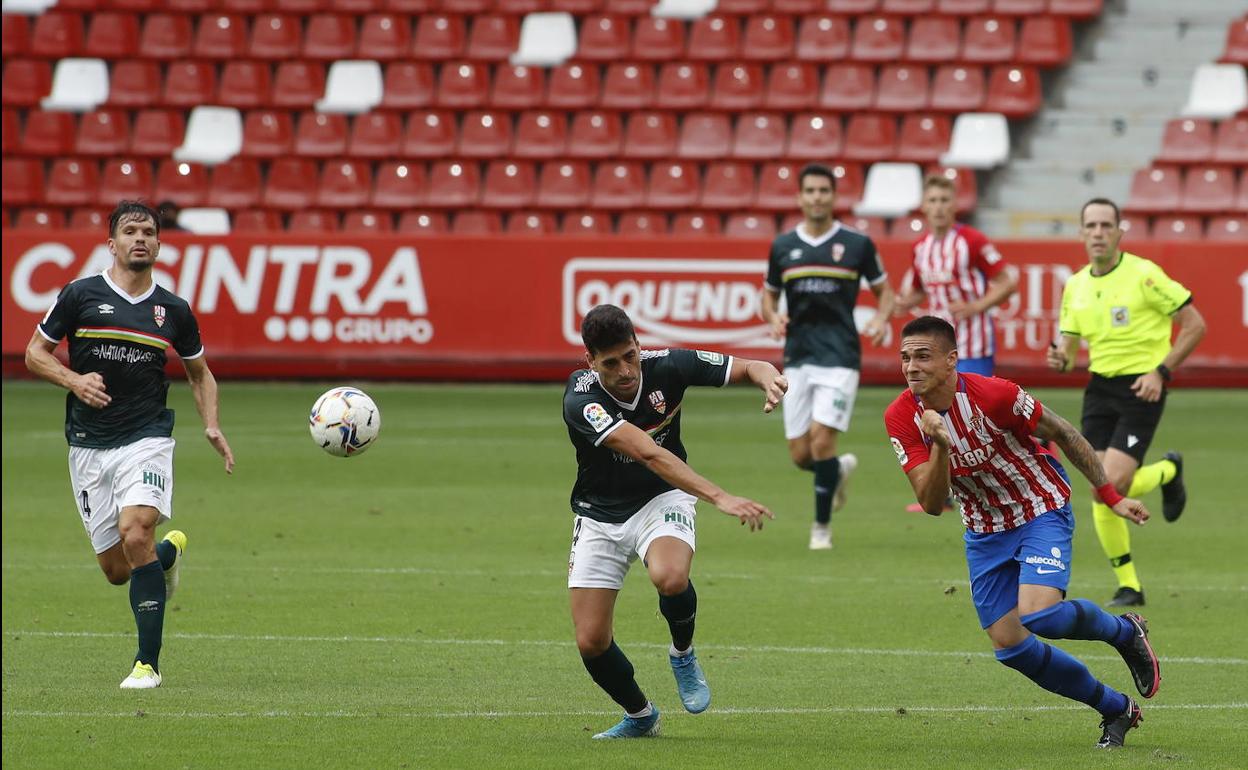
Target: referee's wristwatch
[(1164, 371)]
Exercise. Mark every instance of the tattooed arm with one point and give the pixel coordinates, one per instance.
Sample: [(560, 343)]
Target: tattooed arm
[(1053, 427)]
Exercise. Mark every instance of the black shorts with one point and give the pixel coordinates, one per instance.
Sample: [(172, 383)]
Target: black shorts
[(1115, 418)]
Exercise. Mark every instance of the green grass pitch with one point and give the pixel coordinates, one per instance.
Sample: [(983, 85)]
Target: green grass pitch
[(407, 608)]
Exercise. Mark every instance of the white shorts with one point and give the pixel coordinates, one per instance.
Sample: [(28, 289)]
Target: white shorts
[(602, 553), (822, 394), (107, 480)]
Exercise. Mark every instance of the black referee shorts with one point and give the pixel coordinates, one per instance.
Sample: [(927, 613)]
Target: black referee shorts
[(1115, 418)]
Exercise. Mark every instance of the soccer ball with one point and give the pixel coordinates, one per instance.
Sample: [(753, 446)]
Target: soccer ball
[(344, 422)]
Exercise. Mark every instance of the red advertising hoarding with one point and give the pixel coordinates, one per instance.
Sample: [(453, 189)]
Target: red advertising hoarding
[(509, 308)]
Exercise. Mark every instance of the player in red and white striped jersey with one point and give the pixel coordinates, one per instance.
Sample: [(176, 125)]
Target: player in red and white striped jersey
[(951, 428)]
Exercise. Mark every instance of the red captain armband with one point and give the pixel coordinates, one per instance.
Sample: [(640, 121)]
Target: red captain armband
[(1108, 494)]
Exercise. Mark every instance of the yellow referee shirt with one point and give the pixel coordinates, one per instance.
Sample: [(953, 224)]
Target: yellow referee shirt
[(1125, 315)]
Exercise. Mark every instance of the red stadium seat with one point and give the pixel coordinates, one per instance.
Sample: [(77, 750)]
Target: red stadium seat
[(595, 134), (26, 81), (907, 7), (165, 36), (583, 7), (875, 227), (737, 87), (408, 6), (603, 38), (157, 133), (423, 222), (509, 184), (274, 36), (823, 38), (245, 84), (853, 6), (1044, 41), (988, 39), (1013, 92), (934, 39), (48, 133), (1076, 9), (124, 179), (815, 137), (344, 184), (541, 134), (768, 38), (658, 39), (407, 86), (691, 224), (430, 134), (312, 221), (878, 39), (704, 135), (180, 6), (234, 184), (465, 6), (682, 86), (320, 135), (586, 223), (745, 8), (518, 87), (1019, 7), (903, 88), (650, 135), (618, 186), (485, 134), (848, 87), (1187, 141), (759, 136), (56, 35), (642, 224), (133, 83), (673, 185), (958, 89), (760, 225), (219, 36), (385, 37), (463, 85), (112, 36), (907, 228), (375, 135), (367, 222), (189, 84), (298, 84), (792, 86), (477, 223), (439, 36), (714, 38), (628, 7), (923, 138), (291, 184), (1231, 142), (10, 133), (454, 184), (329, 37), (494, 37), (267, 134), (1178, 227), (1228, 228), (1236, 50), (16, 35), (628, 86), (573, 87), (88, 219), (965, 187), (563, 184), (22, 181), (1208, 190), (186, 184), (39, 219), (1154, 191), (870, 137), (531, 223), (400, 185), (728, 185)]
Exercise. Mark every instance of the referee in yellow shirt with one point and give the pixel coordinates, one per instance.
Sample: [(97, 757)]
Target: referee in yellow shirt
[(1125, 307)]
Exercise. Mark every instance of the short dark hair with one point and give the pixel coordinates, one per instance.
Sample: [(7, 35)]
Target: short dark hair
[(815, 169), (936, 327), (605, 327), (1100, 202), (128, 210)]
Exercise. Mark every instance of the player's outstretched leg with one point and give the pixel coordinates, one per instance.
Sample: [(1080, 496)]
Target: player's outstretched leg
[(1114, 729), (1174, 492), (644, 725), (147, 600), (1059, 672), (169, 550), (681, 610), (613, 672), (1082, 619)]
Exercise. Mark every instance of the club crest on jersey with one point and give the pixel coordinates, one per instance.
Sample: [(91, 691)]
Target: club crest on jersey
[(795, 254), (1119, 316), (976, 424), (838, 252), (105, 309), (656, 401), (158, 313)]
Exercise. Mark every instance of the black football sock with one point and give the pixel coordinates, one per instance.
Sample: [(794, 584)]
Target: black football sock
[(680, 611), (614, 674), (827, 475), (147, 599), (166, 552)]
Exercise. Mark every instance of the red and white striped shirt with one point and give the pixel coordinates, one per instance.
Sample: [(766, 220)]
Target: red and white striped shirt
[(956, 268), (1000, 476)]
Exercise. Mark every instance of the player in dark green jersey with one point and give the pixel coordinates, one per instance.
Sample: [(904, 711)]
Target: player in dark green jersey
[(120, 325), (818, 266), (634, 497), (1126, 308)]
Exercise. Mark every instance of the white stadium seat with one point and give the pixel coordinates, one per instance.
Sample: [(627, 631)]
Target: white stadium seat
[(31, 7), (213, 135), (891, 190), (980, 140), (352, 87), (546, 40), (1218, 91), (683, 9), (78, 85), (205, 221)]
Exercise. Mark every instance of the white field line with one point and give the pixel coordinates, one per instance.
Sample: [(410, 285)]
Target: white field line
[(747, 711), (557, 573), (709, 648)]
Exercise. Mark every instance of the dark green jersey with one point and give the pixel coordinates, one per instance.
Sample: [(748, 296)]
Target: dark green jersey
[(610, 486), (123, 338), (819, 278)]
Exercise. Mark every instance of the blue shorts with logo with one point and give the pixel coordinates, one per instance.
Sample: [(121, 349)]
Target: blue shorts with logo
[(982, 366), (1037, 553)]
